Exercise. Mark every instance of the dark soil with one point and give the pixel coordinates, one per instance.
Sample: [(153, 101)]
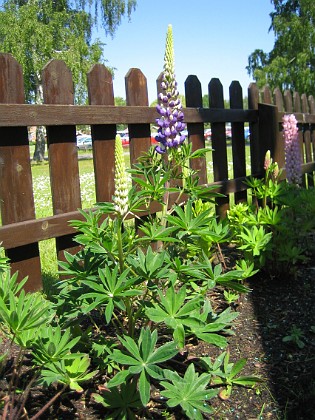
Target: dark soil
[(267, 315)]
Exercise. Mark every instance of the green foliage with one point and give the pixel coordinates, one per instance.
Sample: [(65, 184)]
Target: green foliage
[(290, 64), (68, 371), (33, 38), (143, 359), (22, 314), (121, 401), (230, 297), (51, 346), (295, 337), (225, 373), (190, 392), (274, 235)]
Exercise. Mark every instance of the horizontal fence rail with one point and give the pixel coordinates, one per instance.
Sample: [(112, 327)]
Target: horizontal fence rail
[(21, 231)]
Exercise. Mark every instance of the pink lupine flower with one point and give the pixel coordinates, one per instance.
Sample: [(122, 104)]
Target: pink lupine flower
[(293, 157)]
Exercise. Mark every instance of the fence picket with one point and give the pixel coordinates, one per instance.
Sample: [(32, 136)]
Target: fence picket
[(253, 100), (16, 189), (137, 95), (100, 91), (238, 139), (307, 140), (288, 102), (267, 96), (193, 96), (218, 136), (278, 99), (62, 149)]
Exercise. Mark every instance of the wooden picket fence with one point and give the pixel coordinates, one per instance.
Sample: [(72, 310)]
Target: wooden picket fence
[(21, 231)]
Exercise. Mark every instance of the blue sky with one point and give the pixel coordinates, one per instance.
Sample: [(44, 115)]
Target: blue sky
[(212, 38)]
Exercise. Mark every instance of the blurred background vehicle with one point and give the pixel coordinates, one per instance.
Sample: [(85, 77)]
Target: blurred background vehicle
[(84, 142)]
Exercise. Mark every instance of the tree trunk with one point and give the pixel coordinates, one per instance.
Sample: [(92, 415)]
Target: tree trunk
[(39, 153)]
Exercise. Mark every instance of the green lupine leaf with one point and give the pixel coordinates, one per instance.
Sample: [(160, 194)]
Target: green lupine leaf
[(131, 346), (144, 388), (109, 311), (118, 379), (237, 367), (163, 353), (124, 359), (147, 342), (179, 336), (215, 339)]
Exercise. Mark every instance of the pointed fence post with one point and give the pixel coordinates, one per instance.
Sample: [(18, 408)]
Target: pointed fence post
[(298, 109), (253, 100), (16, 189), (100, 91), (62, 149), (307, 140), (238, 139), (137, 95), (268, 134), (218, 136)]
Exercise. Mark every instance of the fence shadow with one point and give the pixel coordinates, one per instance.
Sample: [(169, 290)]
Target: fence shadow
[(283, 306)]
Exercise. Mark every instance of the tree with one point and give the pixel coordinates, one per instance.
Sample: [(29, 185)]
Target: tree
[(35, 31), (291, 63)]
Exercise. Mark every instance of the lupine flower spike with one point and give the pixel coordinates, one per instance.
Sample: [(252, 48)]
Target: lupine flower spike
[(171, 121), (121, 181), (268, 160), (293, 157)]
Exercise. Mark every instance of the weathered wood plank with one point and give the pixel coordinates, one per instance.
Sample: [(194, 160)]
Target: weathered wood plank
[(218, 138), (137, 95), (307, 140), (16, 189), (193, 96), (238, 139), (62, 149), (101, 92), (50, 115), (253, 100)]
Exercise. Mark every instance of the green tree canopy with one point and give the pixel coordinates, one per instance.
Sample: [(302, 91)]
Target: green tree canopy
[(291, 63), (35, 31)]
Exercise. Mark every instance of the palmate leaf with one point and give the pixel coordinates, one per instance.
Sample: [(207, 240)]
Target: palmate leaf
[(23, 313), (120, 402), (187, 222), (214, 275), (172, 307), (71, 372), (142, 358), (190, 391), (111, 288), (224, 373), (150, 265), (154, 232), (53, 345)]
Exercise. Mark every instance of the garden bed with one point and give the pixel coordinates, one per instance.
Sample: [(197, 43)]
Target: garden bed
[(267, 315)]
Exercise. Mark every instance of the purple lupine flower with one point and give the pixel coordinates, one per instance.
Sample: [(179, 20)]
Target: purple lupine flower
[(171, 121), (293, 156)]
